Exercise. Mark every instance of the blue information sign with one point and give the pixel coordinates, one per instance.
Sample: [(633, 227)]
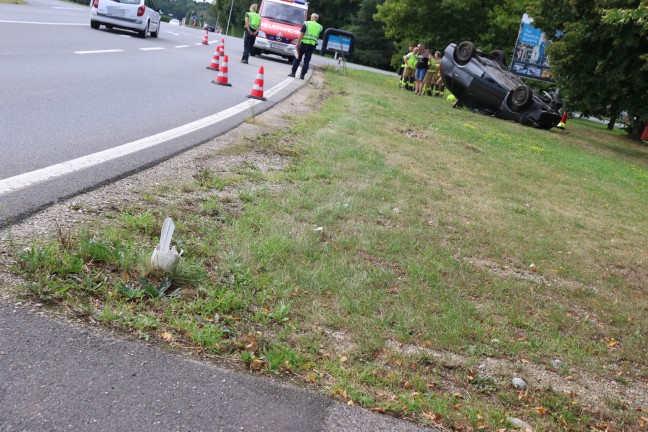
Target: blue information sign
[(530, 56)]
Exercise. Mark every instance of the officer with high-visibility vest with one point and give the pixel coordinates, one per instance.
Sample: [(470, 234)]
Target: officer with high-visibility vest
[(252, 22), (306, 44)]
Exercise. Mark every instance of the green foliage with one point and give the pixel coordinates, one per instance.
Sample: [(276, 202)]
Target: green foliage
[(601, 61), (49, 259), (144, 288), (490, 24)]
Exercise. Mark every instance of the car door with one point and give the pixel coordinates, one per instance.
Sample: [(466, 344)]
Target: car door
[(153, 13)]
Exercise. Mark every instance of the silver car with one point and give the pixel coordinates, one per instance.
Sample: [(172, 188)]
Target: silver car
[(138, 15)]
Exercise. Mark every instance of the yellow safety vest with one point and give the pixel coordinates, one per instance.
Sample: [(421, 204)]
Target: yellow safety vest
[(433, 65), (313, 29), (253, 20), (411, 60)]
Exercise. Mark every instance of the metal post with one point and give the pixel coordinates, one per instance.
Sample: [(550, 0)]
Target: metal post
[(228, 19)]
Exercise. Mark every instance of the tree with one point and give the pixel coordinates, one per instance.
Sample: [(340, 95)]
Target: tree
[(599, 58), (372, 47), (491, 24), (334, 13)]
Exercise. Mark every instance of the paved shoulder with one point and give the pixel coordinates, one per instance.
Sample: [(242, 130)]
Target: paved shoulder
[(54, 376)]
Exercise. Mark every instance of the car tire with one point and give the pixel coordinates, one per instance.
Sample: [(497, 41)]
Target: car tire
[(144, 33), (464, 52), (499, 56), (521, 97), (94, 24), (156, 33)]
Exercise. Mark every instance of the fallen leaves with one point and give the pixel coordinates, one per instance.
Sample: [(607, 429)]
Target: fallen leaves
[(643, 421), (252, 346), (541, 410), (436, 418), (612, 342), (256, 364)]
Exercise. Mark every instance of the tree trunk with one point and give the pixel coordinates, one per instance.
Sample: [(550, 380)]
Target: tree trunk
[(610, 124), (637, 129), (614, 111)]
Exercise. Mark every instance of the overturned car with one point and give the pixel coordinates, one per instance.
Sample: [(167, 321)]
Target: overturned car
[(482, 82)]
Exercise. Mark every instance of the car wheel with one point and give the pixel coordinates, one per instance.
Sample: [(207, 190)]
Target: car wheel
[(94, 24), (464, 52), (156, 33), (521, 97), (144, 33), (499, 56)]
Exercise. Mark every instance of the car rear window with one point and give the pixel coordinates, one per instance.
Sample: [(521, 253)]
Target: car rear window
[(130, 2)]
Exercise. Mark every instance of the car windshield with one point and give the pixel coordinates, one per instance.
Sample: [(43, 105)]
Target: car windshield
[(283, 13)]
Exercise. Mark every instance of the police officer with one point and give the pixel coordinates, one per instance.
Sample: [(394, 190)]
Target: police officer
[(306, 44), (252, 21)]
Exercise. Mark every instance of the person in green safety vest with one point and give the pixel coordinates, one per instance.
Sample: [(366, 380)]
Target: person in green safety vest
[(410, 67), (306, 44), (252, 22)]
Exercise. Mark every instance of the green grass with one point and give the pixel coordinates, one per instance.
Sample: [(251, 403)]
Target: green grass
[(399, 221)]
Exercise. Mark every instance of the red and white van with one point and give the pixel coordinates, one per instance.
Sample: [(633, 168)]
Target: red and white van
[(281, 23)]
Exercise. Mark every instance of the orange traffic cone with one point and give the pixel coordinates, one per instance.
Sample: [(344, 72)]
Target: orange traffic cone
[(221, 48), (221, 79), (214, 65), (206, 39), (257, 89)]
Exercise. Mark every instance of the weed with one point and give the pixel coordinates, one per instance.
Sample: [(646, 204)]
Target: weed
[(208, 180), (485, 384)]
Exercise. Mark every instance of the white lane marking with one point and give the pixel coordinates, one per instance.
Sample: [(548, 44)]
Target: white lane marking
[(151, 49), (22, 181), (174, 34), (181, 46), (99, 51), (42, 23)]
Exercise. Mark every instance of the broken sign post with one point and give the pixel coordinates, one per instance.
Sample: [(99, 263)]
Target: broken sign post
[(165, 257)]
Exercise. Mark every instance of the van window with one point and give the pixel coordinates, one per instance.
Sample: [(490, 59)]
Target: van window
[(283, 13)]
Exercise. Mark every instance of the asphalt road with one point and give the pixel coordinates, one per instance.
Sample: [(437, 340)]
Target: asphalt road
[(56, 376), (117, 102), (69, 91)]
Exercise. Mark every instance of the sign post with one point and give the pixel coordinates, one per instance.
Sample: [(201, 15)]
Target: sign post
[(338, 42)]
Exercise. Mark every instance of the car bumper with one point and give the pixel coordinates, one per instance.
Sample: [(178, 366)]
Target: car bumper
[(274, 47), (134, 24)]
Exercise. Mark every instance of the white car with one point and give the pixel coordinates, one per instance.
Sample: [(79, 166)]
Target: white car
[(174, 22), (138, 15)]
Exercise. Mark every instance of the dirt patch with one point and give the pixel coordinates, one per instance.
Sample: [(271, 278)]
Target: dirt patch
[(592, 392), (414, 134)]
